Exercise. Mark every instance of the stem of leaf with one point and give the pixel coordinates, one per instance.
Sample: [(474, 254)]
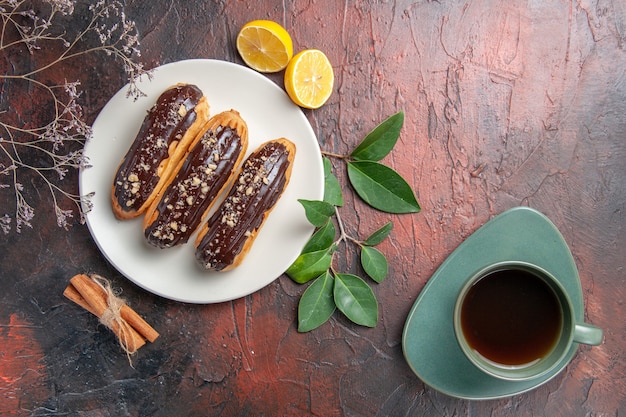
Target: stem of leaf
[(342, 231), (335, 155), (343, 236)]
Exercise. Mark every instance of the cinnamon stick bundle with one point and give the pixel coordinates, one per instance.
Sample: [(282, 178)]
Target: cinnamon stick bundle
[(94, 294)]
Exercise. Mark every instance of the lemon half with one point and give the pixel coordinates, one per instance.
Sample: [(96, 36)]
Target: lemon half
[(309, 79), (265, 45)]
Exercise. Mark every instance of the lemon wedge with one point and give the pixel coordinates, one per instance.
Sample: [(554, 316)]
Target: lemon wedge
[(265, 45), (309, 79)]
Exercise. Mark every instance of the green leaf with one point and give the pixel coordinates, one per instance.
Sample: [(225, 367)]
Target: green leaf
[(310, 265), (374, 263), (380, 141), (322, 239), (355, 299), (317, 303), (317, 212), (381, 187), (332, 189), (379, 235)]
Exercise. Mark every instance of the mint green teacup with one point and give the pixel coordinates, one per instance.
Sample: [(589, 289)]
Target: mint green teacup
[(515, 321)]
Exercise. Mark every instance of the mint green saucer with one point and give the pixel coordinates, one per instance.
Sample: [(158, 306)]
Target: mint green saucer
[(429, 344)]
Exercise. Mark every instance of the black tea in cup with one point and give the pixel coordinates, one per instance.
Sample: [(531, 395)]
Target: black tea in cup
[(511, 317)]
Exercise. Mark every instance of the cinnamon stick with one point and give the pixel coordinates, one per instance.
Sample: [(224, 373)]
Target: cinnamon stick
[(128, 314), (138, 323), (72, 294), (129, 327)]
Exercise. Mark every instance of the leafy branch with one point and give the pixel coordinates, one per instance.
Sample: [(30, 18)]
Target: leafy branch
[(47, 138), (381, 188)]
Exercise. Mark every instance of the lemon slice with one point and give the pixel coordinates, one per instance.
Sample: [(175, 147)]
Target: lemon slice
[(264, 45), (309, 79)]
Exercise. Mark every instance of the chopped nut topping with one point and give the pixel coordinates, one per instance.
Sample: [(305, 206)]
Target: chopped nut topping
[(182, 110)]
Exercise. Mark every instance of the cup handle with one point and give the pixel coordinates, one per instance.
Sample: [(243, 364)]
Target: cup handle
[(588, 334)]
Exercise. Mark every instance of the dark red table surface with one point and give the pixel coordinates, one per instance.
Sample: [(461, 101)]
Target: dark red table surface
[(506, 104)]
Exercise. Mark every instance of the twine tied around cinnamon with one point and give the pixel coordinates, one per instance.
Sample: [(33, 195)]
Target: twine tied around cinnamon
[(96, 295), (112, 316)]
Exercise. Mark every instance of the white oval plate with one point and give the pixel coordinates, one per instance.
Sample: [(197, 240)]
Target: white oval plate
[(173, 273)]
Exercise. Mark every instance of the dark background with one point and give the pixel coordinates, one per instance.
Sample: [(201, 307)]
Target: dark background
[(505, 104)]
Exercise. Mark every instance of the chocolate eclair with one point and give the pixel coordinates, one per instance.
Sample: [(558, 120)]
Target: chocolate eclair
[(200, 177), (227, 237), (165, 134)]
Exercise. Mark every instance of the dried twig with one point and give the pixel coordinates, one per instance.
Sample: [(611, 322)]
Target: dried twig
[(49, 141)]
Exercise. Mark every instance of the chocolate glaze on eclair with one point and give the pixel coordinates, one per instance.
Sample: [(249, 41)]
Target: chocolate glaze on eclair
[(227, 237), (201, 176), (167, 130)]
